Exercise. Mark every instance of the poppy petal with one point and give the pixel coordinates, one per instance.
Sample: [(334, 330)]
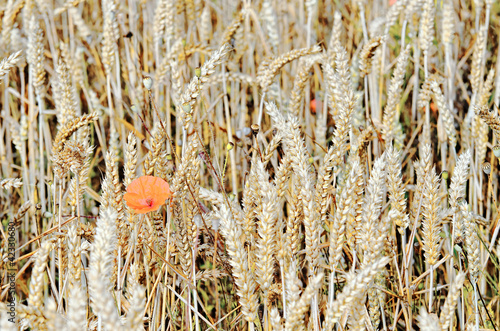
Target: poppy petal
[(147, 193), (131, 198)]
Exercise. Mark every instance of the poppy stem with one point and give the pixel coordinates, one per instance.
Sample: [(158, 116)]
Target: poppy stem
[(153, 106), (207, 159), (144, 125)]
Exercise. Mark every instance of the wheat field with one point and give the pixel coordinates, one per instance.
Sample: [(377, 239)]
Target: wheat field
[(249, 165)]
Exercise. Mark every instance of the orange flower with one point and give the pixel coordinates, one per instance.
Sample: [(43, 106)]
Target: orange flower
[(147, 193), (312, 105)]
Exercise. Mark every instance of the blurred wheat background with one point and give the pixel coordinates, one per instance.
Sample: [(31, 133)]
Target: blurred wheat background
[(333, 164)]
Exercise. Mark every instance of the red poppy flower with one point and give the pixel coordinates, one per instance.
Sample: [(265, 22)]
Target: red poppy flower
[(147, 193), (312, 105)]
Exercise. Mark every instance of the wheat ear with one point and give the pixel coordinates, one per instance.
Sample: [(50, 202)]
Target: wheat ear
[(448, 309), (137, 297), (489, 117), (244, 278), (36, 285), (373, 233), (431, 223), (459, 179), (269, 70), (396, 188), (367, 54), (395, 89), (77, 303), (295, 320), (353, 290), (428, 321), (8, 183), (9, 62), (268, 217), (345, 100), (100, 269), (444, 111), (68, 129)]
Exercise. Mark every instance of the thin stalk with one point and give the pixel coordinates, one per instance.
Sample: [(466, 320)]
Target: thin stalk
[(193, 272), (118, 283), (261, 109), (110, 105), (384, 323), (232, 154), (416, 59), (283, 291), (381, 77), (427, 107), (403, 34), (331, 286), (41, 179), (476, 311), (431, 289)]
